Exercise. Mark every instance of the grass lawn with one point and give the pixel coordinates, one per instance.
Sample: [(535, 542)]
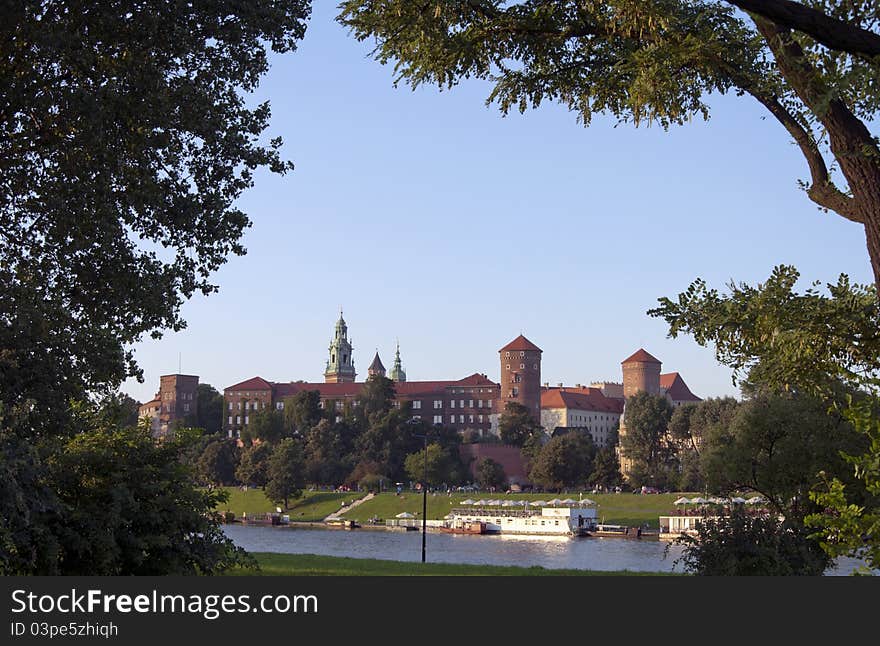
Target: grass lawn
[(612, 508), (313, 506), (312, 565)]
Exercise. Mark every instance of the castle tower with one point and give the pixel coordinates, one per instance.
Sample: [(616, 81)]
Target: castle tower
[(397, 373), (340, 365), (641, 373), (376, 368), (521, 375)]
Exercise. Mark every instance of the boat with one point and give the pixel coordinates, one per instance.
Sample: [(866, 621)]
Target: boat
[(548, 521), (617, 531), (458, 526)]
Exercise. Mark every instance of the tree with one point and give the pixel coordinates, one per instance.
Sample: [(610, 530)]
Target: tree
[(325, 462), (126, 139), (688, 428), (566, 461), (750, 545), (254, 464), (209, 409), (285, 472), (606, 469), (776, 445), (516, 425), (130, 505), (376, 398), (645, 443), (490, 474), (218, 461), (265, 425), (825, 345), (810, 67), (302, 412)]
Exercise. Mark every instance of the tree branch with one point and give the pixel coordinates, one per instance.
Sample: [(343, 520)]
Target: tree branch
[(832, 32)]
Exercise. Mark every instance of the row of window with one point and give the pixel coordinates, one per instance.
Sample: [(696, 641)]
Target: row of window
[(182, 397), (522, 366), (253, 405)]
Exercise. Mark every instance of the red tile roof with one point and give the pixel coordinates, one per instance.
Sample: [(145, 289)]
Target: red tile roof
[(641, 357), (254, 383), (677, 390), (353, 389), (590, 399), (520, 343)]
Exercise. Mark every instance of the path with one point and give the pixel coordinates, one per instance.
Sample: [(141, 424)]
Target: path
[(344, 510)]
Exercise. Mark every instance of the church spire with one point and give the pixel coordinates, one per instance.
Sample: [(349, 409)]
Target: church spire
[(340, 365), (397, 373)]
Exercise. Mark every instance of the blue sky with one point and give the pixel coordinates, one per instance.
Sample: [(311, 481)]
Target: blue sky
[(432, 219)]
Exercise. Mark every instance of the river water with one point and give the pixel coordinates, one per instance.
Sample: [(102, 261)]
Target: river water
[(551, 552)]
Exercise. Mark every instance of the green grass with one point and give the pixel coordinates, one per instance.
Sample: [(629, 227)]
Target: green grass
[(613, 508), (313, 506), (313, 565)]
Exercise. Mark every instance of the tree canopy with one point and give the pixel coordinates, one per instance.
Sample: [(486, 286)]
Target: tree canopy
[(810, 66)]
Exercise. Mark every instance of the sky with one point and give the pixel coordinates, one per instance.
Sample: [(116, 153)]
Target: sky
[(431, 219)]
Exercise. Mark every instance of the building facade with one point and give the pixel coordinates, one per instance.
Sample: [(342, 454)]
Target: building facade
[(521, 375), (176, 401)]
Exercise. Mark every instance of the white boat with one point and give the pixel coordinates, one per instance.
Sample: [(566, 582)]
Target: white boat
[(549, 521)]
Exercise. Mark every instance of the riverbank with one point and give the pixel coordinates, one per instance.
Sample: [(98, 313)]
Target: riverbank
[(273, 564), (635, 510)]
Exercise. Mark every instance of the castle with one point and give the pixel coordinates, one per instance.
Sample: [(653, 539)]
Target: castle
[(475, 402)]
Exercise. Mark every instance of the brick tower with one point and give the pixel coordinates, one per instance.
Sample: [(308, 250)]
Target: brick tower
[(641, 373), (521, 375)]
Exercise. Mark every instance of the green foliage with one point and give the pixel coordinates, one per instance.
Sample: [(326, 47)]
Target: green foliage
[(517, 425), (218, 461), (750, 545), (776, 446), (127, 139), (606, 469), (130, 506), (302, 412), (209, 409), (285, 472), (253, 465), (646, 441), (376, 398), (490, 474), (565, 461), (266, 425), (325, 459), (443, 467), (772, 336), (847, 528)]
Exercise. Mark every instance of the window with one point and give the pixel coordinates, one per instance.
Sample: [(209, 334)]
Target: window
[(479, 403), (438, 403), (522, 355), (230, 405), (238, 419), (186, 408), (338, 405), (230, 420), (489, 404), (461, 419), (507, 366), (417, 404), (417, 417), (522, 366), (535, 367), (239, 404), (451, 403), (470, 403), (480, 419), (471, 419), (452, 419), (461, 403), (507, 355), (245, 420), (515, 391), (438, 419), (279, 406)]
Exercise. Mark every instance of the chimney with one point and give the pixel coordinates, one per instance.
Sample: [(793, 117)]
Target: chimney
[(559, 384)]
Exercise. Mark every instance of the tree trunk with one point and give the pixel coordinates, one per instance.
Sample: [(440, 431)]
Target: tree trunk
[(859, 158)]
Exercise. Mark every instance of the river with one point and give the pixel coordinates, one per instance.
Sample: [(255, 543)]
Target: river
[(601, 554)]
